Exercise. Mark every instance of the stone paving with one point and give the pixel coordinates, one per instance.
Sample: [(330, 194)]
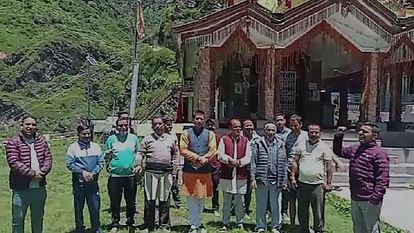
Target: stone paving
[(397, 208)]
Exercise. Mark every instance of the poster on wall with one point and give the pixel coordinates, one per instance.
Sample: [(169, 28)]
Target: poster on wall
[(314, 95), (238, 88)]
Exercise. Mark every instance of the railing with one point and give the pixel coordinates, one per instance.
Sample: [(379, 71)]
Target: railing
[(168, 91)]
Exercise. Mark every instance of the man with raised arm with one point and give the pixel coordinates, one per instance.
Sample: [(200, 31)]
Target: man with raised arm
[(369, 169)]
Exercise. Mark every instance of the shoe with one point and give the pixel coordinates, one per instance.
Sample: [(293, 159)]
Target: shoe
[(261, 230), (285, 218), (247, 216), (224, 229), (216, 213), (240, 226), (202, 229), (275, 230), (113, 230), (165, 229), (192, 230)]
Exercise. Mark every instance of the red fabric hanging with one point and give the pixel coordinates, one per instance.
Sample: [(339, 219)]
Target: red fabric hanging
[(288, 4), (180, 110)]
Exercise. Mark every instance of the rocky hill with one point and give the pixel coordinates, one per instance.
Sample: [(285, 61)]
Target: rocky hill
[(43, 46)]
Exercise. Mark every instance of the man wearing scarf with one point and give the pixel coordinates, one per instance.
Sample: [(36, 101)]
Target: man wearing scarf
[(85, 160)]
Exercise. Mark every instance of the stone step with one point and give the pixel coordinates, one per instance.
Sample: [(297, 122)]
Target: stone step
[(392, 185), (394, 159), (401, 168), (347, 141), (405, 155), (343, 177)]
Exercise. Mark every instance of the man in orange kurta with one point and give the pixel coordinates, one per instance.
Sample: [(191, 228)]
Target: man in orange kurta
[(197, 146)]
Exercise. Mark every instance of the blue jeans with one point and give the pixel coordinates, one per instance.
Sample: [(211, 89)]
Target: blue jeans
[(268, 193), (21, 201), (90, 193)]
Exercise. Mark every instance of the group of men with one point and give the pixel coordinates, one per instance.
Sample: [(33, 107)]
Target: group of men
[(284, 167)]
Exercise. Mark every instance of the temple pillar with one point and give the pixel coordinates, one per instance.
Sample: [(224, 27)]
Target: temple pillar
[(277, 89), (343, 104), (395, 97), (369, 108), (203, 84), (269, 85)]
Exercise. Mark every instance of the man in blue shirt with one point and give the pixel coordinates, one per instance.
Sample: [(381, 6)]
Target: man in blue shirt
[(85, 160)]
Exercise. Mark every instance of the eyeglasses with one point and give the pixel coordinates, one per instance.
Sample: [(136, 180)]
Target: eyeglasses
[(123, 125)]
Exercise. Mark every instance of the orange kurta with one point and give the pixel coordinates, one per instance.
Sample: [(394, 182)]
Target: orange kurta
[(199, 185)]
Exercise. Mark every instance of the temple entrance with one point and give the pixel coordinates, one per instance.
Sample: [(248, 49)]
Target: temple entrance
[(237, 90)]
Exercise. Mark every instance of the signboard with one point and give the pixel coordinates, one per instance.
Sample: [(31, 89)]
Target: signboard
[(313, 86)]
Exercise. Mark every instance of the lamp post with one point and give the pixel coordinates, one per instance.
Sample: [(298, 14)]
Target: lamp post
[(91, 62)]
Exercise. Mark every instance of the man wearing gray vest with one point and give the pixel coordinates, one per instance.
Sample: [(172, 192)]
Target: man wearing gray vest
[(197, 146)]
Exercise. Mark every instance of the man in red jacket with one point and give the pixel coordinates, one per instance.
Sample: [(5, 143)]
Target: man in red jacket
[(30, 160), (369, 169), (234, 154)]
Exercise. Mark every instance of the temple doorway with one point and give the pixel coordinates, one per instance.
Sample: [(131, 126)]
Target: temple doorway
[(237, 90)]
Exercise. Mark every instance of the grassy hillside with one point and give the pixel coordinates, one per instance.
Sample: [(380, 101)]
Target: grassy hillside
[(45, 43)]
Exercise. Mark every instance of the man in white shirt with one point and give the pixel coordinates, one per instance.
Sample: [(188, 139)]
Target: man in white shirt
[(234, 154)]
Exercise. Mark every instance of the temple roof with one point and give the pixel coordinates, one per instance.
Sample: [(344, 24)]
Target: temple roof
[(368, 24)]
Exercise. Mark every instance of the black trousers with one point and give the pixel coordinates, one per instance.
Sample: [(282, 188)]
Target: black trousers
[(149, 214), (216, 181), (127, 186), (248, 196)]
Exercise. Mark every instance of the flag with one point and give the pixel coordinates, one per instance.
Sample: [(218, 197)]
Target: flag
[(140, 21), (288, 4)]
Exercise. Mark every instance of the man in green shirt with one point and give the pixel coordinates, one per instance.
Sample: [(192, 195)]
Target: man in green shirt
[(121, 154)]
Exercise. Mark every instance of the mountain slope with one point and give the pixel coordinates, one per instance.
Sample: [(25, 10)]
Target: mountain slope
[(42, 58)]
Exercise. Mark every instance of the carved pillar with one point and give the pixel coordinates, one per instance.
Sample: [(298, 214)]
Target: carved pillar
[(343, 104), (269, 85), (370, 93), (395, 97), (277, 67), (203, 83)]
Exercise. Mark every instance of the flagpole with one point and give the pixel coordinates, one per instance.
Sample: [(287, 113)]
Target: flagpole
[(135, 74)]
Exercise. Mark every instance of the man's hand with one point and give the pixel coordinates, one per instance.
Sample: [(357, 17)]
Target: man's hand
[(233, 162), (339, 167), (328, 188), (284, 186), (38, 175), (253, 184), (293, 184), (138, 170), (203, 160), (109, 153), (87, 176), (341, 129)]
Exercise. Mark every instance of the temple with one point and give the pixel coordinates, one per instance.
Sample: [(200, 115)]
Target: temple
[(331, 61)]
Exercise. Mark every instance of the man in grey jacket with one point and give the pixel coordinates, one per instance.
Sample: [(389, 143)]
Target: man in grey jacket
[(268, 176)]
